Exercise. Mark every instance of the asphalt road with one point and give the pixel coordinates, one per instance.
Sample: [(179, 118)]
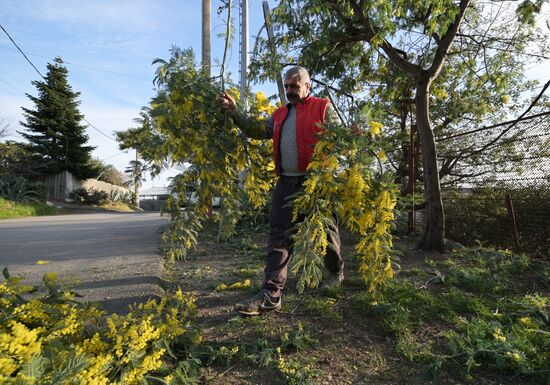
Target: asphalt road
[(110, 258)]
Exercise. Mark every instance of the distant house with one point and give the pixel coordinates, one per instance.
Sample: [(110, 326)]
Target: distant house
[(154, 198)]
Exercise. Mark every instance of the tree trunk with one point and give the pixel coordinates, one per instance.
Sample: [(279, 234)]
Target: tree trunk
[(434, 229)]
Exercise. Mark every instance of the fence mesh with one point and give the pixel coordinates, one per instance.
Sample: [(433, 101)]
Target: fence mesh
[(508, 208), (500, 195)]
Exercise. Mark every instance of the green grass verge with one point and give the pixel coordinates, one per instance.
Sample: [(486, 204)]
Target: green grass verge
[(472, 316), (10, 209), (115, 206), (481, 309)]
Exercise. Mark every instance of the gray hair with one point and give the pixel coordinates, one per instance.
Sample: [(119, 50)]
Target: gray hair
[(301, 71)]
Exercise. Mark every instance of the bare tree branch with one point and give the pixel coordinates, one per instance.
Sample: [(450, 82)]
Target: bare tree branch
[(446, 41)]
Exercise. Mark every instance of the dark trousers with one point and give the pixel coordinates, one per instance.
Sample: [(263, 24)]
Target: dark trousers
[(279, 248)]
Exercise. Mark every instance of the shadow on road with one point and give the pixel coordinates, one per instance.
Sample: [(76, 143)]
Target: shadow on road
[(116, 295)]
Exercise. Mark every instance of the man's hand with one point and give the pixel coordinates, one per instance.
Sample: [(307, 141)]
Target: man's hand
[(227, 103)]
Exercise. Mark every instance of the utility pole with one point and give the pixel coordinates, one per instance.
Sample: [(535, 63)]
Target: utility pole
[(206, 61), (206, 44), (137, 179), (269, 28), (244, 50)]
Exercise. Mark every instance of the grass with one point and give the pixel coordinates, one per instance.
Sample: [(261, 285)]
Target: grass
[(116, 206), (489, 309), (10, 209), (451, 318)]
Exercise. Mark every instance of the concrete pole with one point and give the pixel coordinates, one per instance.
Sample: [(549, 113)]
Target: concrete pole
[(206, 43), (244, 49), (137, 179)]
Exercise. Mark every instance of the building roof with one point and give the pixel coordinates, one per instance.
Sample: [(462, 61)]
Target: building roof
[(154, 191)]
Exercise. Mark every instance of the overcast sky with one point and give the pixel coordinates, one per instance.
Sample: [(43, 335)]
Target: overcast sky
[(108, 47)]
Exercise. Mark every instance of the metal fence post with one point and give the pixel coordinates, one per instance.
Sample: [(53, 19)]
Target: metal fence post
[(512, 216), (412, 178)]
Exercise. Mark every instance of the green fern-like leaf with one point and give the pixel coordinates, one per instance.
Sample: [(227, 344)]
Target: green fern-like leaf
[(35, 367), (74, 364)]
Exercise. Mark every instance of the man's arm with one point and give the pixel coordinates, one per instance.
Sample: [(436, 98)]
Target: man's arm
[(253, 128)]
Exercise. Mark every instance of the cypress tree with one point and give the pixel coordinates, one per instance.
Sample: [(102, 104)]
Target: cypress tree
[(54, 129)]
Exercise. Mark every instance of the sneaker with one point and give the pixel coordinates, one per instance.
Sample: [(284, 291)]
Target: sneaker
[(333, 280), (260, 303)]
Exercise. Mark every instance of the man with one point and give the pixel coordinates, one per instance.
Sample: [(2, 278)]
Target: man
[(294, 129)]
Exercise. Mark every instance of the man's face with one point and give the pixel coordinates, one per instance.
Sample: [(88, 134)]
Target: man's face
[(296, 89)]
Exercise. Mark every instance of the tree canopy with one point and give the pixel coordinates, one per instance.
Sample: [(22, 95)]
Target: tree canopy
[(107, 172), (452, 64), (54, 128), (17, 159)]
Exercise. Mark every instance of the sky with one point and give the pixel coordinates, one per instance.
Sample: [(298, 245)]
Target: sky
[(108, 47)]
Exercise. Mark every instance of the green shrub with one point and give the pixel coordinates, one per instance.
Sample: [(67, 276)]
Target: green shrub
[(479, 314), (487, 271), (19, 189), (52, 339), (89, 196), (516, 344), (120, 196)]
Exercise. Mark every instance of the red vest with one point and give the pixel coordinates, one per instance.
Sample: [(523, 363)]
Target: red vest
[(308, 115)]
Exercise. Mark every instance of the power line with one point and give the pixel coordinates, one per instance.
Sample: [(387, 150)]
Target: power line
[(109, 72), (117, 154), (36, 69), (196, 63), (23, 53), (9, 85), (98, 130), (88, 67)]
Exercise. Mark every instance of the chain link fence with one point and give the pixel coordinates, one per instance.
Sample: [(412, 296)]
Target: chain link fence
[(509, 208), (498, 191)]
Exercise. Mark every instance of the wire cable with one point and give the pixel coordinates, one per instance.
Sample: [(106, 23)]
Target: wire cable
[(117, 154), (36, 69), (11, 86), (23, 53), (87, 67)]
